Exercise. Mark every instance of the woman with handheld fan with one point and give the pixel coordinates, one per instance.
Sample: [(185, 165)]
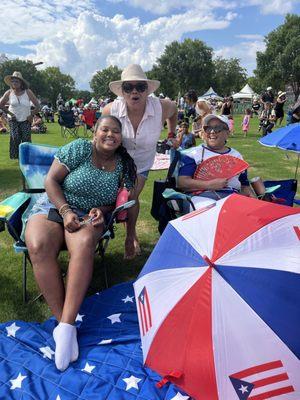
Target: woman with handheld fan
[(213, 170)]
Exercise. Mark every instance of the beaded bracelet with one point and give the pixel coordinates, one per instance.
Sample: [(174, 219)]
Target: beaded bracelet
[(62, 208), (66, 212)]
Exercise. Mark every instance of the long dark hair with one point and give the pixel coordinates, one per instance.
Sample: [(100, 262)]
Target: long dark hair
[(129, 167)]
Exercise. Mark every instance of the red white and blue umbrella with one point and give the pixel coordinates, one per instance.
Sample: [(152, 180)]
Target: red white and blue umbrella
[(219, 302)]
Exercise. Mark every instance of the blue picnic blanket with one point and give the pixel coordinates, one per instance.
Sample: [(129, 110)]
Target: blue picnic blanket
[(110, 364)]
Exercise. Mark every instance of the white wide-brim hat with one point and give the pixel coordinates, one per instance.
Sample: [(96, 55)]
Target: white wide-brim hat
[(17, 75), (133, 72)]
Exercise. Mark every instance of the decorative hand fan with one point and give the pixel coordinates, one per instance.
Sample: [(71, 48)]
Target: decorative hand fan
[(223, 166)]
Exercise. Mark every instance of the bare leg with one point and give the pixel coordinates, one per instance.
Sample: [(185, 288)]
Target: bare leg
[(132, 247), (44, 240), (81, 245)]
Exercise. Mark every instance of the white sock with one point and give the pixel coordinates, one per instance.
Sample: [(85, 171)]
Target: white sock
[(66, 350)]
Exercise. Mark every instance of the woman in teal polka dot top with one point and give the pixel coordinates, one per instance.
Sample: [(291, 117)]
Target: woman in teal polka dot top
[(82, 184)]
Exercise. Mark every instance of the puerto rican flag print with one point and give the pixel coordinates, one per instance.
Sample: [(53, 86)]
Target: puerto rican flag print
[(224, 292)]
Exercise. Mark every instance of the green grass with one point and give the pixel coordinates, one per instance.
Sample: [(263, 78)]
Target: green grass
[(265, 162)]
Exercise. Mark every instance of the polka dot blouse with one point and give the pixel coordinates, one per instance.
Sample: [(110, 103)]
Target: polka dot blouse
[(86, 186)]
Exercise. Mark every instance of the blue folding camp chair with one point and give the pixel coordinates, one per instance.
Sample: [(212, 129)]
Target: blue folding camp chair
[(35, 161)]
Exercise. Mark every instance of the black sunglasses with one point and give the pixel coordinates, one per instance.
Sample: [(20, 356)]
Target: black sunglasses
[(216, 129), (140, 87)]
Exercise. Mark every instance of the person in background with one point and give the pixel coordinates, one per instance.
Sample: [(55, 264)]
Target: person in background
[(267, 119), (191, 99), (37, 123), (142, 117), (227, 107), (268, 96), (81, 189), (255, 107), (278, 107), (185, 138), (231, 125), (246, 121), (19, 98)]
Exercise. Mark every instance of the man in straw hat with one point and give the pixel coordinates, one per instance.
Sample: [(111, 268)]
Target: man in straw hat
[(19, 98), (142, 118)]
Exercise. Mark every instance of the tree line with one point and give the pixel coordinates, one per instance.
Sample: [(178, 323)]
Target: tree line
[(183, 66)]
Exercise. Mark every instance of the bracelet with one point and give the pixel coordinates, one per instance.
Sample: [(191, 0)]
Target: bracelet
[(63, 207), (66, 212)]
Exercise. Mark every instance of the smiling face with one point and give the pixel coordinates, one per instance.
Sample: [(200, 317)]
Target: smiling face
[(108, 135), (215, 134), (135, 93)]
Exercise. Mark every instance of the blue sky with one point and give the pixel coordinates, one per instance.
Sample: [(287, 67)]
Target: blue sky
[(82, 37)]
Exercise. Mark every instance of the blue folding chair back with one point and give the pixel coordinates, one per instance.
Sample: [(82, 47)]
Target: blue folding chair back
[(67, 122), (286, 192)]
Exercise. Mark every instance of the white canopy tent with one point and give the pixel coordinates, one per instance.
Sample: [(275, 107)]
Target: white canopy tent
[(246, 93), (211, 94)]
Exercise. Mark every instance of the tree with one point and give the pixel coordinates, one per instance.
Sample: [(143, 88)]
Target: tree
[(101, 80), (229, 77), (28, 71), (56, 82), (279, 64), (86, 95), (184, 66)]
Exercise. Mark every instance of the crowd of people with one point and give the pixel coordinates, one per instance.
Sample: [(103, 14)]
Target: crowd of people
[(83, 181)]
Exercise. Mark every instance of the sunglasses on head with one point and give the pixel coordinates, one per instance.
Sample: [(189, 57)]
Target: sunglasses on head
[(216, 129), (140, 87)]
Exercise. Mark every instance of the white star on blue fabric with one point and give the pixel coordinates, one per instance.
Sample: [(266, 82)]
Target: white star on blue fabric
[(114, 318), (243, 389), (128, 299), (79, 317), (132, 382), (88, 368), (58, 397), (12, 329), (47, 352), (17, 382), (180, 396), (105, 341)]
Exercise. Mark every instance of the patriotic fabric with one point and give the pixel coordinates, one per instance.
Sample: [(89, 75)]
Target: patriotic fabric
[(223, 288), (109, 367)]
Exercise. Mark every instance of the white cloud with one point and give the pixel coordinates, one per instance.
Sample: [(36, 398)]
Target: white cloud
[(274, 6), (245, 51), (92, 42), (250, 36)]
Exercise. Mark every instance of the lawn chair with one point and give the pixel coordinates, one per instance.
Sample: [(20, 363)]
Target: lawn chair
[(89, 119), (35, 161), (68, 123)]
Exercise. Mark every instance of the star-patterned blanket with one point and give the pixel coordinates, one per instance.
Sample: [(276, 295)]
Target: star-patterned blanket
[(110, 364)]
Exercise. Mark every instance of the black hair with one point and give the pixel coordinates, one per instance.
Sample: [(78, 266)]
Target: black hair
[(129, 167), (191, 95)]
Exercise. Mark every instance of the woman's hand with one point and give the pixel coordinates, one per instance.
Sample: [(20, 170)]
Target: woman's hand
[(97, 216), (217, 184), (71, 222)]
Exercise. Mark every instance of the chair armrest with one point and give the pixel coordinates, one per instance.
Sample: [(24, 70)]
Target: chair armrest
[(11, 204)]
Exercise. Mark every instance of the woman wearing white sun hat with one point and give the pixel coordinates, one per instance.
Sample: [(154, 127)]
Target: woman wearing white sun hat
[(142, 118), (19, 98)]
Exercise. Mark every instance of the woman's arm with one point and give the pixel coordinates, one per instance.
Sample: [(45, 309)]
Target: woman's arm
[(169, 114), (189, 184), (4, 100), (53, 181)]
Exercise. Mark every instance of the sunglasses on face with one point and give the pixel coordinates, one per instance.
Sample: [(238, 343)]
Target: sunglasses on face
[(140, 87), (215, 129)]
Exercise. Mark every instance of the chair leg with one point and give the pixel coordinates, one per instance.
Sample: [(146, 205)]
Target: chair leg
[(101, 249), (24, 277)]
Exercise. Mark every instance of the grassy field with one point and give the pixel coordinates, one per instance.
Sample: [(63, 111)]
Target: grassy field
[(265, 162)]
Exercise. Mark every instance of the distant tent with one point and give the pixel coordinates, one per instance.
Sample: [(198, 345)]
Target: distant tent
[(211, 94), (246, 93)]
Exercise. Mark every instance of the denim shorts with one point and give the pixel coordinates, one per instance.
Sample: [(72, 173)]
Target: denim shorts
[(43, 205), (144, 174)]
